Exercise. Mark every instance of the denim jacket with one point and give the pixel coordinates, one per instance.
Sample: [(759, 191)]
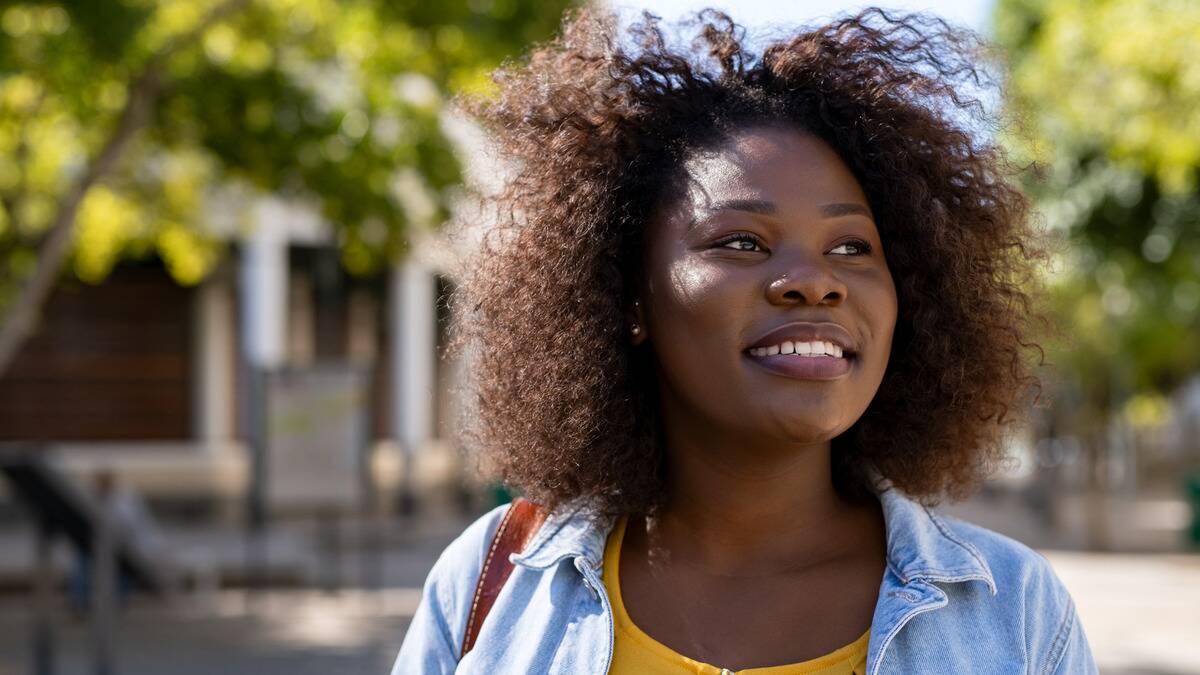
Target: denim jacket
[(955, 598)]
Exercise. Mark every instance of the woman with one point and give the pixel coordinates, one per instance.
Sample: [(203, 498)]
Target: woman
[(743, 319)]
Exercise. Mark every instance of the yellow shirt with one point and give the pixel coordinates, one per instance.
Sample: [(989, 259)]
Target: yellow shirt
[(636, 652)]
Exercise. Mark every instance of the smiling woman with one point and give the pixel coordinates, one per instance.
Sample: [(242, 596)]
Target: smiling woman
[(746, 318), (814, 273)]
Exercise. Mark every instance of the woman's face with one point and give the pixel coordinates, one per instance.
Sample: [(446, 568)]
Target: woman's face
[(771, 247)]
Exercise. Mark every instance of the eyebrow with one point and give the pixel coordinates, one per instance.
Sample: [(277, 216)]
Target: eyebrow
[(844, 209), (766, 208), (760, 206)]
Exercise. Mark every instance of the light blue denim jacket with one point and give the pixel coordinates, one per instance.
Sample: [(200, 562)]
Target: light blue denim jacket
[(955, 598)]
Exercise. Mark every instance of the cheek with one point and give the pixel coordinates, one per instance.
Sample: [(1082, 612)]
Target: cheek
[(892, 310), (689, 294), (888, 313), (691, 283), (694, 309), (881, 314)]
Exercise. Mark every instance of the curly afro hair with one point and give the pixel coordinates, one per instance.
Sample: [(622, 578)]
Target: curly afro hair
[(597, 124)]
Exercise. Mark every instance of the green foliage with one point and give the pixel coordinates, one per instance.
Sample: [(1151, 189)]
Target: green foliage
[(1109, 95), (335, 102)]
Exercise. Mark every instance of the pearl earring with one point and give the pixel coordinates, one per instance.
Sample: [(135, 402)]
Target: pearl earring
[(635, 329)]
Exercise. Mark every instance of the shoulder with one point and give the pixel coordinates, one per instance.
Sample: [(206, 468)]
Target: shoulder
[(1028, 591), (434, 636), (1014, 566), (452, 579), (468, 550)]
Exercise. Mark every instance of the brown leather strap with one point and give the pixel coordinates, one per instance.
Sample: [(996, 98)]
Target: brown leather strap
[(518, 526)]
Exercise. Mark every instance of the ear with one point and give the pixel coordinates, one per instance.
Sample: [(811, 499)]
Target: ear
[(635, 323)]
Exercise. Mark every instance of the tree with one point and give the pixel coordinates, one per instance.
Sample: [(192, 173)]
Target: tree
[(126, 124), (1109, 95)]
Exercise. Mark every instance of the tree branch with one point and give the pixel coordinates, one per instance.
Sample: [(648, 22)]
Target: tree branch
[(22, 315)]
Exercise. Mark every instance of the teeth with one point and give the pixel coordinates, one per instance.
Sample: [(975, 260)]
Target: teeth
[(814, 348)]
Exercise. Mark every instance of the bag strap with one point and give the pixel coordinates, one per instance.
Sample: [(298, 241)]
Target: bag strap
[(517, 527)]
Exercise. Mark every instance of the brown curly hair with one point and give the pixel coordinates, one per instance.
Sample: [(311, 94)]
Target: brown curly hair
[(598, 123)]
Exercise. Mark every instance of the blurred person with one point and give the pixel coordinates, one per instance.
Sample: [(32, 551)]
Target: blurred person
[(132, 524), (747, 317)]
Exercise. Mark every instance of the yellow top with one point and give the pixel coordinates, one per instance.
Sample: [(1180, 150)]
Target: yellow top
[(636, 652)]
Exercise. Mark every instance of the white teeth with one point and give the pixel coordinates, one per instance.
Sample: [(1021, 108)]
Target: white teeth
[(813, 348)]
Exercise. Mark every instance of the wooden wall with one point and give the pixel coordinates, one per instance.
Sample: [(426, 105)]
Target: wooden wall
[(109, 362)]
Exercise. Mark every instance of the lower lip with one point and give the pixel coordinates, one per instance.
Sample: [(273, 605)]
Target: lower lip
[(804, 367)]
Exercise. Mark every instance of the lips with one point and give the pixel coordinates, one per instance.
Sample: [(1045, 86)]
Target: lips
[(810, 351), (808, 331)]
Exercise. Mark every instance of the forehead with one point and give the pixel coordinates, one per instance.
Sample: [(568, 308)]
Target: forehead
[(793, 169)]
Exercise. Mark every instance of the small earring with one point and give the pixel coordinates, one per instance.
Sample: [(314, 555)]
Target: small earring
[(635, 329)]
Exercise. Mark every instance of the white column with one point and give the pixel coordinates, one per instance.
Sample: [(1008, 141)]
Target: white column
[(264, 287), (264, 294), (412, 332)]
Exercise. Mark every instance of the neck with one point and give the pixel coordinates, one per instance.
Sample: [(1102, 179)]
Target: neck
[(741, 506)]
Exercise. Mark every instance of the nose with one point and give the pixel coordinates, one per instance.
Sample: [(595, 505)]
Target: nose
[(808, 281)]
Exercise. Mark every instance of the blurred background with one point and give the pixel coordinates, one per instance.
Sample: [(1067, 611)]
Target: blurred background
[(227, 439)]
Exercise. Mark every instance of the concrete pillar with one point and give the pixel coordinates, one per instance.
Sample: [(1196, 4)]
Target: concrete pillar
[(412, 331), (301, 335), (214, 359), (362, 323)]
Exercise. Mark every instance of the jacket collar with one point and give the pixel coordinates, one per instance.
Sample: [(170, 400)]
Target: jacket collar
[(571, 530), (920, 545)]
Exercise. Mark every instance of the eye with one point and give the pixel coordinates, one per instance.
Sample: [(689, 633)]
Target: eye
[(750, 239), (853, 247)]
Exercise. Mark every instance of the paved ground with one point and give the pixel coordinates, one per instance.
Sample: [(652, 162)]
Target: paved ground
[(1141, 612), (293, 632)]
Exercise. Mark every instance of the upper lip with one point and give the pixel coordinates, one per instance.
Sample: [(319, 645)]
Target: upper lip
[(808, 331)]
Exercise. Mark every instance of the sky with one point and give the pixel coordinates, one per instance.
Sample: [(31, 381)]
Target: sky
[(756, 14), (764, 19)]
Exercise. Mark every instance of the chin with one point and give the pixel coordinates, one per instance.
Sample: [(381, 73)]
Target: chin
[(814, 430)]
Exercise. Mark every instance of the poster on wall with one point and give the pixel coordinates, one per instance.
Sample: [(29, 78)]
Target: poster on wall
[(317, 428)]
